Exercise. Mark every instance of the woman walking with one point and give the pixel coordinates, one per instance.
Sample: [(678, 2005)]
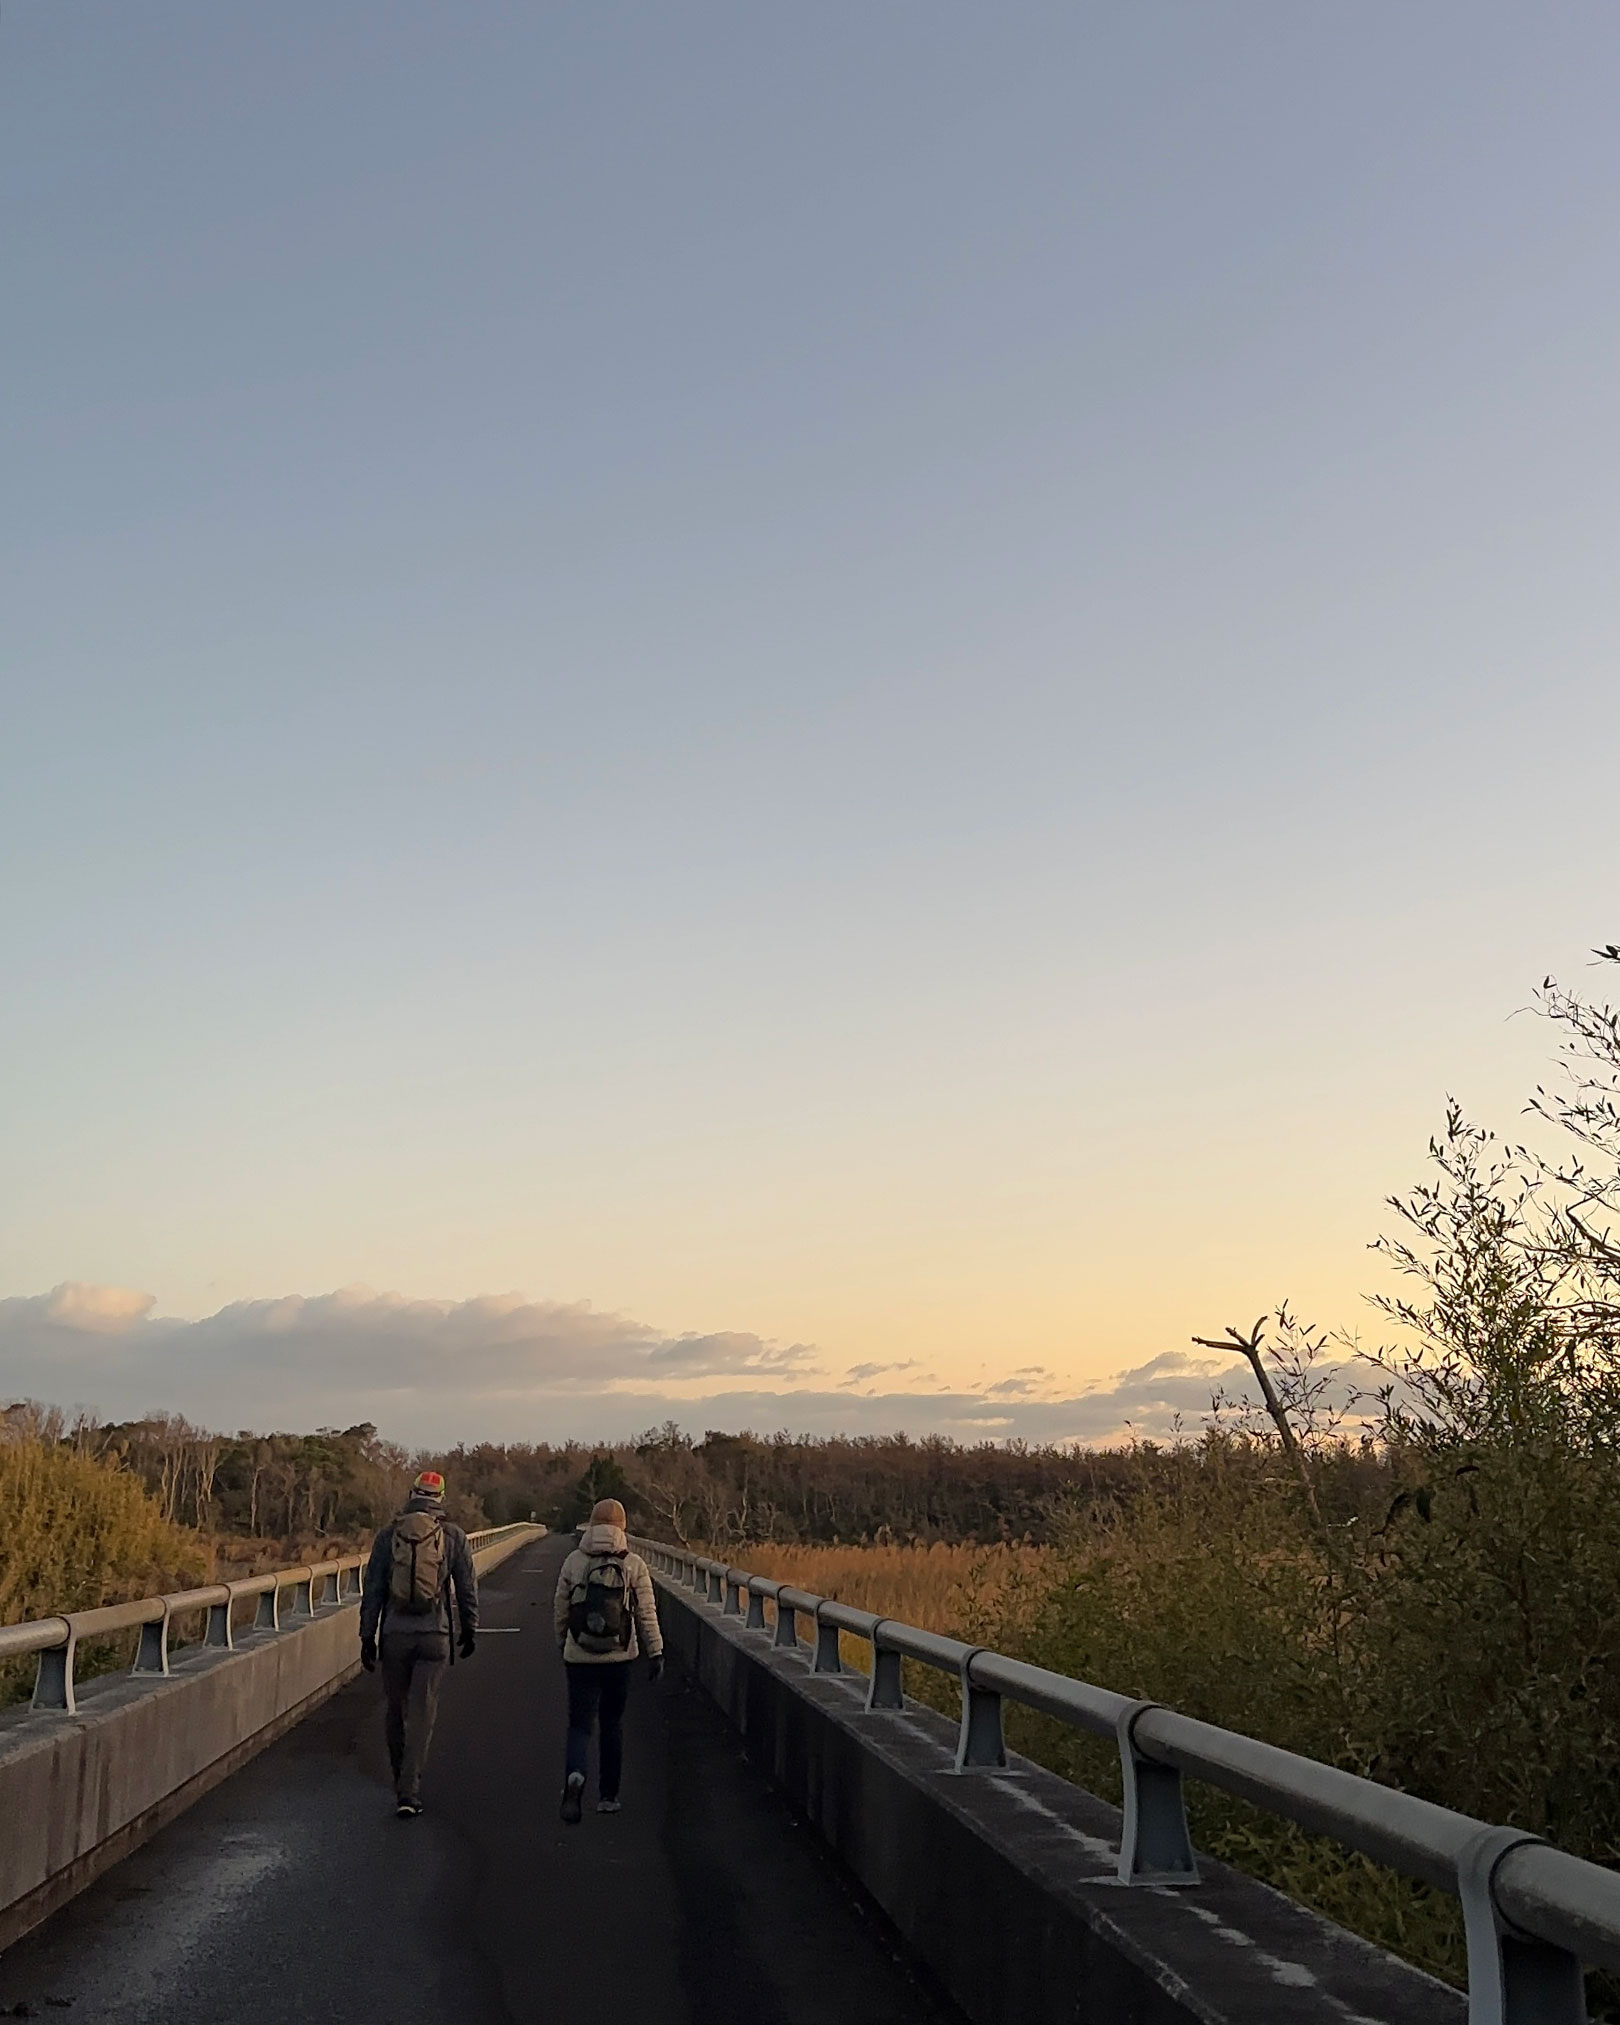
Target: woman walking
[(606, 1616)]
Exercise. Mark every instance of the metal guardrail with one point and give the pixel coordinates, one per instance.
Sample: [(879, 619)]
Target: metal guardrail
[(315, 1586), (1533, 1915)]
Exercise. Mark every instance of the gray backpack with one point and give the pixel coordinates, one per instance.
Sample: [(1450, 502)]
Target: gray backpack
[(416, 1580)]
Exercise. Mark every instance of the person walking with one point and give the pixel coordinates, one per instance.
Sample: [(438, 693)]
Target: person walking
[(416, 1562), (606, 1616)]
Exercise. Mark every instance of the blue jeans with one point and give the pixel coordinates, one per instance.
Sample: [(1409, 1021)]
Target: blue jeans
[(597, 1693)]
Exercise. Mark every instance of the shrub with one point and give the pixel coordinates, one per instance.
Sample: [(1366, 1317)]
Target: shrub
[(78, 1533)]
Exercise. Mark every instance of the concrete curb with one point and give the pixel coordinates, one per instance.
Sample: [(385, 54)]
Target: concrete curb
[(79, 1792), (1003, 1884)]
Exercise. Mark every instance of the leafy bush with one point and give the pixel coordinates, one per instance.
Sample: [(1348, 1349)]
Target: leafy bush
[(79, 1532)]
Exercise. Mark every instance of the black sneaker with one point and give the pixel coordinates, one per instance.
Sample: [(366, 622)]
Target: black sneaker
[(407, 1810), (572, 1800)]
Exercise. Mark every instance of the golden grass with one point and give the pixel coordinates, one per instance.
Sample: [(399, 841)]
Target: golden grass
[(959, 1590)]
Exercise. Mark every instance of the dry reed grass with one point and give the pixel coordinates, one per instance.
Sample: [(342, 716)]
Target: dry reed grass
[(958, 1590)]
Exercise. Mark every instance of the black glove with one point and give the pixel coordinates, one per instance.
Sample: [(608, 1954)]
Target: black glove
[(469, 1644), (655, 1667), (368, 1654)]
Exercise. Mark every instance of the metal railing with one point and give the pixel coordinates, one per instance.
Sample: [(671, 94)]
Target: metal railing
[(1533, 1915), (315, 1586)]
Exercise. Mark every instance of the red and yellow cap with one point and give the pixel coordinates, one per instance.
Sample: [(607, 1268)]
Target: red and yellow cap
[(429, 1485)]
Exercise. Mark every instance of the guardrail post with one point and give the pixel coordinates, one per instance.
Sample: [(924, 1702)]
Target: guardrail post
[(717, 1584), (53, 1681), (979, 1742), (303, 1596), (267, 1614), (219, 1626), (732, 1606), (1155, 1847), (884, 1689), (351, 1582), (327, 1592), (1512, 1978), (787, 1625), (152, 1653), (755, 1620), (827, 1659)]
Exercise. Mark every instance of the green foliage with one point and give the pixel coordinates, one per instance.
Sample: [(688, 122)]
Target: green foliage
[(1438, 1609), (603, 1477)]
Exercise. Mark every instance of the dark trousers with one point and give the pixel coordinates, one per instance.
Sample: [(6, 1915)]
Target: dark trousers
[(597, 1694), (412, 1670)]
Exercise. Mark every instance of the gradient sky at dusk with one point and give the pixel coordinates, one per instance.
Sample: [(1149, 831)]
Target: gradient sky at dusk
[(893, 689)]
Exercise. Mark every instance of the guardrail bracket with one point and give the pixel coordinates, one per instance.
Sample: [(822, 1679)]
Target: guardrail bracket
[(53, 1682), (152, 1653), (1513, 1979), (980, 1745), (884, 1689), (1155, 1847)]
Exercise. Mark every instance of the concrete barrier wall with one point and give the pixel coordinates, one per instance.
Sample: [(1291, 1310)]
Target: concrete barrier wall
[(1002, 1884), (78, 1792)]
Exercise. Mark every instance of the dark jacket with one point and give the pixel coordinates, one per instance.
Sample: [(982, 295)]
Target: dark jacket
[(460, 1577)]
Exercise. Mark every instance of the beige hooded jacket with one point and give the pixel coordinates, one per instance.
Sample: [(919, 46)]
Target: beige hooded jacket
[(645, 1636)]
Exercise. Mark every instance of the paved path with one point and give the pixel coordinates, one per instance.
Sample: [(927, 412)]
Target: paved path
[(292, 1893)]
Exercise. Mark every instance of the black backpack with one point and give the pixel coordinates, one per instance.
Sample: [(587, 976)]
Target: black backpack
[(600, 1618)]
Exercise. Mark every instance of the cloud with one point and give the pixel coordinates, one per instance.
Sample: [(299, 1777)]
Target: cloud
[(701, 1356), (1026, 1381), (77, 1305), (504, 1368), (374, 1356)]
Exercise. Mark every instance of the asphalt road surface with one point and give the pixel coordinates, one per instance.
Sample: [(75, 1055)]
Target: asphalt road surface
[(291, 1892)]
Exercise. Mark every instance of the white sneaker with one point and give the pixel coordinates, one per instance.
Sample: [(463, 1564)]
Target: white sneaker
[(607, 1806), (573, 1788)]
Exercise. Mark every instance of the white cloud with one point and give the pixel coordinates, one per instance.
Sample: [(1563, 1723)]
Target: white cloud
[(505, 1368), (78, 1305), (358, 1354)]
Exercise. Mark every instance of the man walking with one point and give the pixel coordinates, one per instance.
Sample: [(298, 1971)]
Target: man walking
[(415, 1563), (606, 1615)]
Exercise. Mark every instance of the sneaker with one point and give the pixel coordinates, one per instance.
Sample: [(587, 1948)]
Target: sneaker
[(407, 1810), (572, 1804), (607, 1806)]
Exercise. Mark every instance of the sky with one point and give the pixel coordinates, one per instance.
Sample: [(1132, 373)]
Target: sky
[(821, 717)]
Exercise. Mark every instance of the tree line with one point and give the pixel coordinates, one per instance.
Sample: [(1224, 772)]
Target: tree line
[(719, 1488)]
